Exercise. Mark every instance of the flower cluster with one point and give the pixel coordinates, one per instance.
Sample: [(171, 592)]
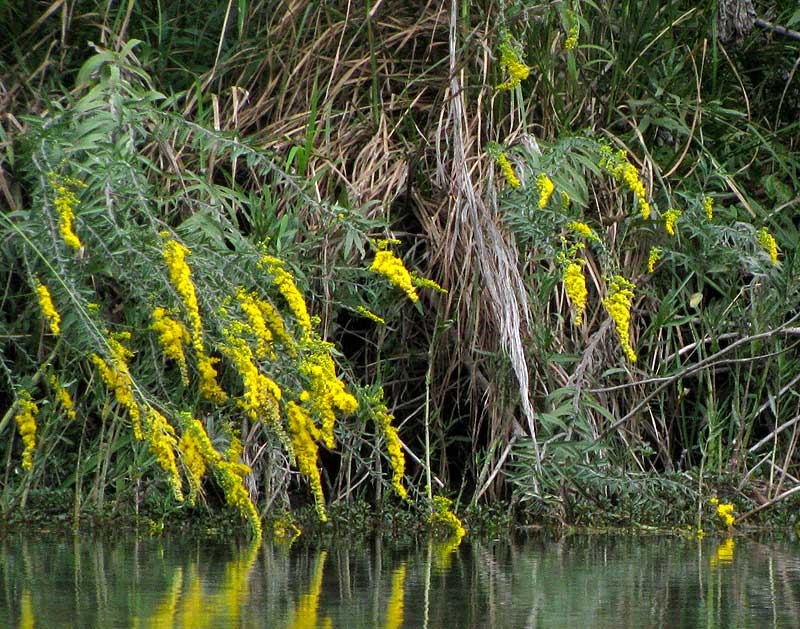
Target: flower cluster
[(508, 170), (618, 304), (653, 257), (389, 265), (768, 242), (230, 474), (65, 202), (64, 398), (116, 375), (545, 187), (621, 169), (582, 229), (285, 283), (254, 308), (304, 443), (442, 515), (172, 335), (161, 438), (48, 309), (26, 423), (194, 462), (424, 282), (708, 207), (368, 314), (261, 395), (510, 61), (383, 421), (724, 511), (572, 39), (575, 286), (670, 218)]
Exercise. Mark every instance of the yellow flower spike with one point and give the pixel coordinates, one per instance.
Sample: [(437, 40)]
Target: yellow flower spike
[(443, 516), (181, 277), (161, 438), (394, 448), (768, 242), (508, 171), (368, 314), (670, 219), (389, 265), (510, 61), (708, 207), (116, 375), (582, 229), (48, 309), (575, 286), (64, 398), (653, 257), (618, 166), (26, 423), (304, 435), (725, 511), (194, 462), (65, 202), (284, 281), (261, 394), (172, 335), (209, 387), (252, 307), (618, 305), (545, 187), (572, 39), (230, 474), (424, 282)]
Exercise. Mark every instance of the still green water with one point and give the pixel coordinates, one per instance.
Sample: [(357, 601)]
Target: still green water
[(53, 581)]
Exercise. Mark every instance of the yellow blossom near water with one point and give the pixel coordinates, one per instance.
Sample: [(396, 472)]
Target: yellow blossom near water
[(653, 257), (583, 229), (511, 62), (194, 463), (768, 242), (161, 438), (117, 377), (307, 608), (545, 187), (65, 202), (389, 265), (443, 516), (181, 277), (575, 287), (172, 335), (383, 421), (508, 170), (25, 417), (724, 511), (48, 309), (618, 305), (261, 394), (230, 473), (368, 314), (64, 398), (670, 219), (708, 207), (621, 169), (304, 435)]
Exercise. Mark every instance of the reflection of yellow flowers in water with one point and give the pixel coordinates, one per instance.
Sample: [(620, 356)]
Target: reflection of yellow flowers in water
[(724, 553), (26, 423), (164, 614), (545, 187), (768, 242), (670, 219), (511, 62), (48, 309), (305, 614), (508, 171), (618, 304), (27, 619), (724, 511), (394, 608)]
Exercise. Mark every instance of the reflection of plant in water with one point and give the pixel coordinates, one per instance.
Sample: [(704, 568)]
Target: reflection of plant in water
[(305, 614), (164, 615), (26, 618), (394, 608), (724, 552)]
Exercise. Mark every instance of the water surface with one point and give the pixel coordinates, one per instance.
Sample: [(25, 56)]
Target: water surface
[(50, 580)]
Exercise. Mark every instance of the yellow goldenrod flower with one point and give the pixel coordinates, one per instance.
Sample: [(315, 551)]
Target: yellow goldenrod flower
[(261, 394), (724, 511), (671, 217), (385, 243), (572, 40), (64, 398), (368, 314), (252, 307), (442, 515), (510, 61), (161, 438), (285, 283), (181, 277), (621, 169), (193, 462), (230, 474), (424, 282), (653, 257), (48, 309), (508, 171), (304, 435), (65, 202), (117, 378), (545, 187), (392, 267), (209, 387), (583, 230), (172, 335), (383, 421), (768, 242), (26, 423), (618, 304), (575, 286), (708, 207)]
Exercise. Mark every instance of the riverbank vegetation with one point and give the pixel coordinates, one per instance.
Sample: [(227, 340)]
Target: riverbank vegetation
[(262, 256)]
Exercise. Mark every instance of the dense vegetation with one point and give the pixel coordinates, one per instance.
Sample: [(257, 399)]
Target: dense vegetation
[(262, 253)]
